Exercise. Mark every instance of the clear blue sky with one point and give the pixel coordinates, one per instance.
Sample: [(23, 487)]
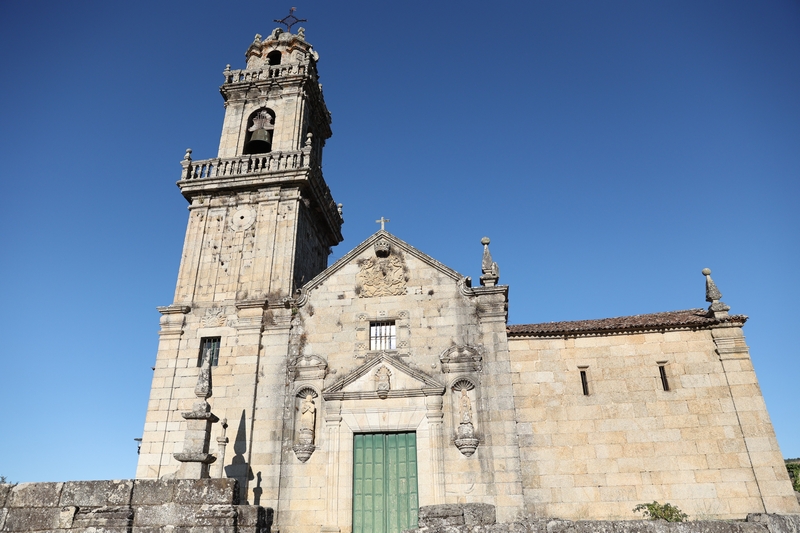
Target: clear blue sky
[(611, 150)]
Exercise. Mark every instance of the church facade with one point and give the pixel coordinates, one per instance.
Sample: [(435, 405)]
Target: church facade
[(346, 396)]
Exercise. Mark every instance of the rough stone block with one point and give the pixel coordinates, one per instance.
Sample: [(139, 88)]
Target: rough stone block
[(254, 518), (176, 515), (96, 493), (206, 491), (35, 495), (479, 514), (441, 515), (107, 518), (152, 491), (33, 519), (5, 490)]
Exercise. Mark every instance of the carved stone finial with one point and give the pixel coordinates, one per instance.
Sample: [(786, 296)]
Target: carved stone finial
[(717, 309), (490, 270), (301, 33), (309, 135), (188, 156), (257, 39)]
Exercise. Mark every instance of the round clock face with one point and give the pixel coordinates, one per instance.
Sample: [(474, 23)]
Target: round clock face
[(243, 218)]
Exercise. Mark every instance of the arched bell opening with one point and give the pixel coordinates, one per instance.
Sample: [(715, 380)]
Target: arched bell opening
[(274, 57), (260, 127)]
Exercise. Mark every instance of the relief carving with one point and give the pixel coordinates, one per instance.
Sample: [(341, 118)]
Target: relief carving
[(381, 277), (213, 318)]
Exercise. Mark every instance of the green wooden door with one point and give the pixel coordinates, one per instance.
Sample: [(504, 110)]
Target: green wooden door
[(385, 498)]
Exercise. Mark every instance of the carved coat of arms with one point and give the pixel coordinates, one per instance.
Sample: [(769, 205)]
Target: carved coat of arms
[(382, 277)]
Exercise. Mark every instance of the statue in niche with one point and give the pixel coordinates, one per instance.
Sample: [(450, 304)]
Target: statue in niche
[(382, 384), (308, 413), (465, 408), (465, 440)]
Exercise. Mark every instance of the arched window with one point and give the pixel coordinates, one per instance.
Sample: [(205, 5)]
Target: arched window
[(259, 132), (274, 57)]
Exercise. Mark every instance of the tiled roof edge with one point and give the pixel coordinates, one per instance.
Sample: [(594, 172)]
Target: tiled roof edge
[(686, 319)]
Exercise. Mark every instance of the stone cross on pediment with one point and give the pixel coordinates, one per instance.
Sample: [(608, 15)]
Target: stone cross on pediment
[(382, 221)]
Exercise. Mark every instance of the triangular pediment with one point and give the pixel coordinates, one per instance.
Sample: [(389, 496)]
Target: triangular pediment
[(395, 243), (385, 376)]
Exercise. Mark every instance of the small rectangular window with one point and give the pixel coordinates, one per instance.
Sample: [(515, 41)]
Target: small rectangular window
[(382, 335), (209, 348), (584, 381), (663, 373)]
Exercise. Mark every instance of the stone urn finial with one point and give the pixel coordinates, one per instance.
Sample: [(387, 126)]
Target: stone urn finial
[(490, 271)]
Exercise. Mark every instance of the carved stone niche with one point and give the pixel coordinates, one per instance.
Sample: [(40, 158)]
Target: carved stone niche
[(307, 368), (458, 359), (305, 422), (463, 397)]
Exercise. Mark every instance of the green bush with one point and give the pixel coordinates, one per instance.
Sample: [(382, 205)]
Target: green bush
[(794, 474), (659, 511)]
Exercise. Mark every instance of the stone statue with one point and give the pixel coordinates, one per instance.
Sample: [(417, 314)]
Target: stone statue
[(308, 412), (465, 408)]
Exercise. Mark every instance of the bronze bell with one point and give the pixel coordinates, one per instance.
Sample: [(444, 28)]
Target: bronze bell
[(260, 141)]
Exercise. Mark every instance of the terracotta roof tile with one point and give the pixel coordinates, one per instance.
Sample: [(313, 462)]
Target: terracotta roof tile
[(692, 318)]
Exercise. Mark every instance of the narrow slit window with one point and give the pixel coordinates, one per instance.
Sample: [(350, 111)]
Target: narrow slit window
[(382, 335), (209, 348), (584, 382), (662, 371)]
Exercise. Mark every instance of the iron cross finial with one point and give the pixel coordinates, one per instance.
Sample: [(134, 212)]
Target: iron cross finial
[(290, 20), (382, 221)]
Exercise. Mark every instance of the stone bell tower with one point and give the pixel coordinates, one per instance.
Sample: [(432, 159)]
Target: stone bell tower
[(261, 223)]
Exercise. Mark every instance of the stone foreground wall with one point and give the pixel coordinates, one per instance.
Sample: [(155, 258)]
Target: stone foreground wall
[(130, 506), (480, 518)]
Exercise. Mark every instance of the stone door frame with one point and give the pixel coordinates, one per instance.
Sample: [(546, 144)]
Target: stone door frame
[(343, 418)]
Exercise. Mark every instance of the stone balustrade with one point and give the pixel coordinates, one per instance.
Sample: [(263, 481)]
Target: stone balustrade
[(246, 164), (264, 73), (260, 164)]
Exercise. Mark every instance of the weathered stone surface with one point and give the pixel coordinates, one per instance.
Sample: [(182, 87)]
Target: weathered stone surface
[(105, 518), (32, 518), (206, 491), (173, 514), (254, 518), (35, 495), (755, 524), (97, 493), (777, 523), (5, 490), (152, 491), (479, 514)]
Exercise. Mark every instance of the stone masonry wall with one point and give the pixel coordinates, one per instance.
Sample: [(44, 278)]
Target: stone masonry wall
[(480, 518), (706, 444), (130, 506)]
